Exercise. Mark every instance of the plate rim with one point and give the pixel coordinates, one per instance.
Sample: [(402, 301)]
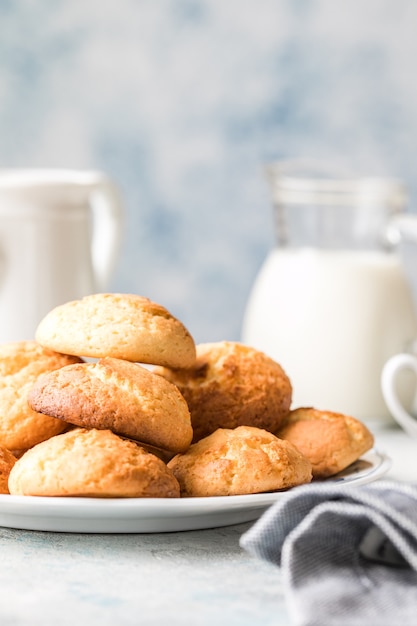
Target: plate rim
[(146, 508)]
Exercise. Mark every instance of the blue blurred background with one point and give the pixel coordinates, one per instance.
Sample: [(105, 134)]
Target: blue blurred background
[(182, 102)]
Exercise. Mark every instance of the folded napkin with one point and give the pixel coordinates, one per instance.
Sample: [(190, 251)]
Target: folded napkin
[(348, 554)]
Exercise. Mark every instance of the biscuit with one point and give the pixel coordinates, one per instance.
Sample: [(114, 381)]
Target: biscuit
[(232, 385), (120, 396), (240, 461), (21, 363), (122, 326), (7, 460), (331, 441), (91, 463)]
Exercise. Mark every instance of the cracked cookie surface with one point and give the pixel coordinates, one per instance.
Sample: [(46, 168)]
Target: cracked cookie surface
[(239, 461)]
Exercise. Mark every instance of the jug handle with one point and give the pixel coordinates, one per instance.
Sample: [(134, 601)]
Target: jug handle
[(106, 205), (401, 227)]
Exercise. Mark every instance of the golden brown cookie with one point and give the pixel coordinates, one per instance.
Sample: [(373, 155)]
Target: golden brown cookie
[(21, 363), (331, 441), (92, 463), (7, 460), (232, 385), (240, 461), (123, 326), (120, 396)]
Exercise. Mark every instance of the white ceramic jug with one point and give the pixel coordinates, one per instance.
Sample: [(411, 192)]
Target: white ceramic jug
[(331, 302), (59, 236)]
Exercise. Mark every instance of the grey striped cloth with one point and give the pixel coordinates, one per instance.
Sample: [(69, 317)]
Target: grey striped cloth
[(348, 554)]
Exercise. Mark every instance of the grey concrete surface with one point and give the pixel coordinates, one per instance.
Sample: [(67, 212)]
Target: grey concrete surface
[(198, 577)]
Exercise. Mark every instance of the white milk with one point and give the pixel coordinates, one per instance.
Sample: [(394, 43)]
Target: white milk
[(332, 319)]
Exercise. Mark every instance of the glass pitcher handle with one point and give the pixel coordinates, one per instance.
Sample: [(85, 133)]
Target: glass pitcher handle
[(106, 204)]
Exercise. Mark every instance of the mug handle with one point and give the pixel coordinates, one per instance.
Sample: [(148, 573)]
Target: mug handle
[(390, 371), (106, 205)]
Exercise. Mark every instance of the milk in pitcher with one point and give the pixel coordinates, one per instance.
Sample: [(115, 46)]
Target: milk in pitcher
[(331, 318)]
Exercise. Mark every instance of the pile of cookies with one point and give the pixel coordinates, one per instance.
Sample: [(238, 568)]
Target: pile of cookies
[(114, 399)]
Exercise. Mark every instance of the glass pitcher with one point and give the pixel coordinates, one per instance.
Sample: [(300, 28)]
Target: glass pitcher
[(331, 302)]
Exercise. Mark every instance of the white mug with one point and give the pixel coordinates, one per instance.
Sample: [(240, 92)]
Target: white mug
[(391, 372), (59, 236), (403, 232)]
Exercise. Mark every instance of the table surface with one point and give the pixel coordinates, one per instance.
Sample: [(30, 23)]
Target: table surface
[(195, 577)]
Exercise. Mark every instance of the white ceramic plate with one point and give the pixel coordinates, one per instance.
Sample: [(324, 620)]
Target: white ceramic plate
[(154, 515)]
